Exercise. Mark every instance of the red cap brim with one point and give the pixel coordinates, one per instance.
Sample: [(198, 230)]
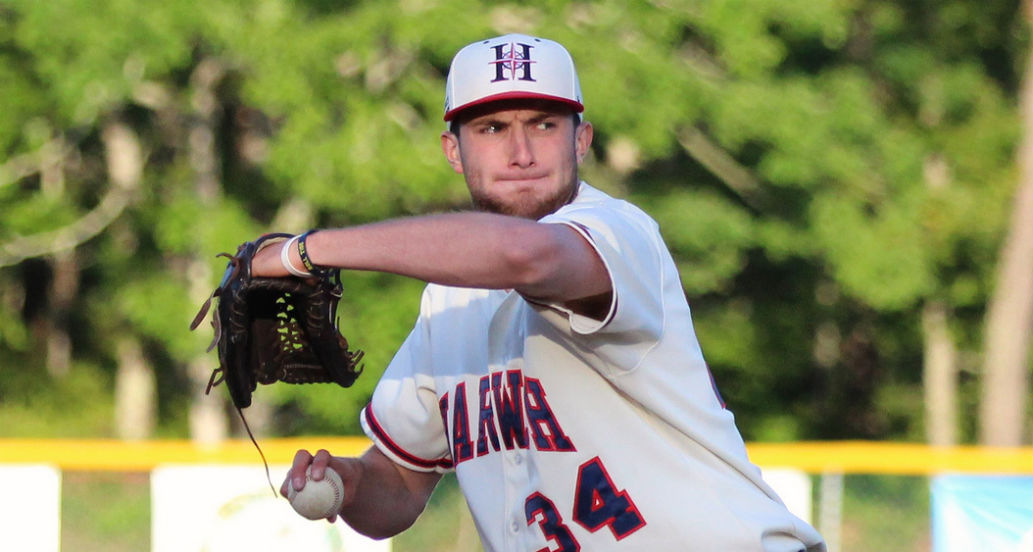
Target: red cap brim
[(515, 95)]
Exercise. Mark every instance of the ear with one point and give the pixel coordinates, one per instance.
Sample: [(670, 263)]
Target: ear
[(582, 140), (450, 147)]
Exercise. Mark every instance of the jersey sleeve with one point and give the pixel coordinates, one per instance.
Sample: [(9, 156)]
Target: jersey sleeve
[(403, 418), (628, 242)]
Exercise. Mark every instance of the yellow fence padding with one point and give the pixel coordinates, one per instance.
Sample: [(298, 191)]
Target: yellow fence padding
[(812, 457)]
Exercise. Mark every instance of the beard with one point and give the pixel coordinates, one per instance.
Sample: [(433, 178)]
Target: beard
[(524, 205)]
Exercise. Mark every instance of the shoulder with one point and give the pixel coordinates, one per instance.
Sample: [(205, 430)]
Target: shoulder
[(598, 213), (590, 200)]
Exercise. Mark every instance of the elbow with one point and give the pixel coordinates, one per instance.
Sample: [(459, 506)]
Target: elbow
[(552, 262), (377, 535), (529, 258), (382, 529)]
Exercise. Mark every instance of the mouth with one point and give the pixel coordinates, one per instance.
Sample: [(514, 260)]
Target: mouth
[(521, 178)]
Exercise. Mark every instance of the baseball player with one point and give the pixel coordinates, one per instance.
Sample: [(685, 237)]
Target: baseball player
[(554, 366)]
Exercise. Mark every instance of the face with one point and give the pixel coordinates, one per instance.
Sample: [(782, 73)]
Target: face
[(519, 159)]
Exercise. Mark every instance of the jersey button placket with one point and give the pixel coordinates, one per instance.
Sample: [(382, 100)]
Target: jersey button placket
[(516, 486)]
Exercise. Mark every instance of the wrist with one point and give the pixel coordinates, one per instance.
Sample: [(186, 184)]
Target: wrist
[(305, 254), (288, 264)]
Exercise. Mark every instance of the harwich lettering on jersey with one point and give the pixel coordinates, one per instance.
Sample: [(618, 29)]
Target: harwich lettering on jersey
[(505, 411)]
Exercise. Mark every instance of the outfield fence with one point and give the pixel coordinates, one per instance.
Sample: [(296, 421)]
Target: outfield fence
[(861, 495)]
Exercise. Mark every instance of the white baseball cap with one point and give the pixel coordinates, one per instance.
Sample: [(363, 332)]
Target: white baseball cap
[(509, 67)]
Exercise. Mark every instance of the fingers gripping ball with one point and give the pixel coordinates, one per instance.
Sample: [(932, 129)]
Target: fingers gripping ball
[(317, 499)]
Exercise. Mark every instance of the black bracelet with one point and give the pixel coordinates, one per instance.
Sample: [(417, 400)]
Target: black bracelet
[(303, 253)]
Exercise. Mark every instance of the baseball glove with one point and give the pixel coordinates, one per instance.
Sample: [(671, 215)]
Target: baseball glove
[(269, 330)]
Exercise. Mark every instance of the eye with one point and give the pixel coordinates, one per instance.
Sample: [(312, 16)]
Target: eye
[(490, 128)]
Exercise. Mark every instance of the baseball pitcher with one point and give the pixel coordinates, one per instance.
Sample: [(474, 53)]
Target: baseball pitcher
[(553, 366)]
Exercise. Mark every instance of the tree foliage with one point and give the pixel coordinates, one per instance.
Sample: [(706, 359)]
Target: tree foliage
[(820, 169)]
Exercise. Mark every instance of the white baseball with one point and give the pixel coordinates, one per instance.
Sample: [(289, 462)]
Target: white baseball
[(317, 499)]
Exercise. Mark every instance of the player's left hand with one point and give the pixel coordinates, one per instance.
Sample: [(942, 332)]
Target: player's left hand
[(267, 263)]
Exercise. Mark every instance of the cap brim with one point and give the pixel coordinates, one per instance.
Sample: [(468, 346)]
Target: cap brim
[(578, 107)]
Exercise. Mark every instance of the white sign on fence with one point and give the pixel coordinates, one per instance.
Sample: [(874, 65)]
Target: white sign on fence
[(30, 507), (197, 508), (793, 487)]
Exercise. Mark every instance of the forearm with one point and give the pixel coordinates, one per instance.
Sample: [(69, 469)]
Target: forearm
[(387, 499), (469, 249), (461, 249)]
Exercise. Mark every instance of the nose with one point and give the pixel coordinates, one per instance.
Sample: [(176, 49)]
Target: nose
[(521, 153)]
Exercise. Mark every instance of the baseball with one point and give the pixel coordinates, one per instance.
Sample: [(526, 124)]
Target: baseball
[(318, 499)]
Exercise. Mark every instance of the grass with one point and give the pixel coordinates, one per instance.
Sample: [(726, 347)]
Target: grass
[(445, 526), (110, 512), (886, 513), (105, 512)]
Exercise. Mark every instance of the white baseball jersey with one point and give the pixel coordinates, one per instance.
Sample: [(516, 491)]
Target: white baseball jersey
[(568, 433)]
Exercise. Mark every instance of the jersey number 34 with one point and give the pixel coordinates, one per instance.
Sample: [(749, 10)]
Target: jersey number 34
[(597, 504)]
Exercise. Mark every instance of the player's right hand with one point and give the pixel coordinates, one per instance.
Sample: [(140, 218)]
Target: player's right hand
[(320, 462)]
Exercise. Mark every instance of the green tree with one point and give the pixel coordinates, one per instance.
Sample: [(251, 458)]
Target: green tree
[(833, 179)]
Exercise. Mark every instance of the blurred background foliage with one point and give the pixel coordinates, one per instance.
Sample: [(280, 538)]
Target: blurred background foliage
[(824, 172)]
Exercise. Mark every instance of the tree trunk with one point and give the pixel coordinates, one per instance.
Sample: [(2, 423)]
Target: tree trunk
[(63, 288), (295, 215), (939, 377), (136, 398), (1009, 323), (940, 358), (65, 269), (135, 392)]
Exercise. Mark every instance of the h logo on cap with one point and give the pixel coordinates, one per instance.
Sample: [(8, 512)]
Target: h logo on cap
[(513, 61)]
